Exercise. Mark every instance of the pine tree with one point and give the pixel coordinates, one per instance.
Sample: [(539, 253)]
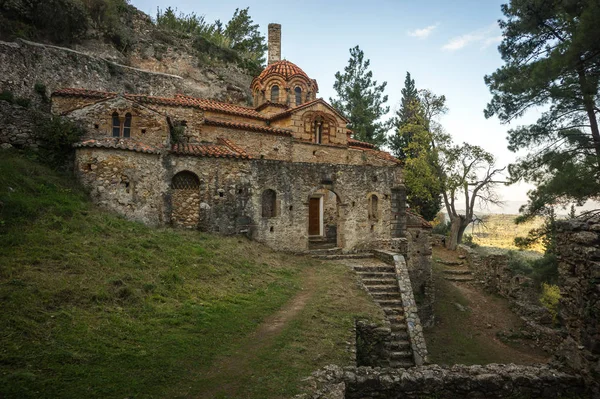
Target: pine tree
[(552, 62), (361, 99), (398, 142)]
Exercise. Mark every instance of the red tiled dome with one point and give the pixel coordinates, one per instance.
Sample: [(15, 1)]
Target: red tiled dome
[(283, 68)]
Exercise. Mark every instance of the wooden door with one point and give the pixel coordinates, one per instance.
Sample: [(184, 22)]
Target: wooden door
[(314, 217)]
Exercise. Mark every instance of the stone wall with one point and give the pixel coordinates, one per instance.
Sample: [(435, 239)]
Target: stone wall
[(26, 63), (18, 126), (373, 344), (137, 185), (414, 327), (496, 276), (578, 246), (418, 261), (490, 381)]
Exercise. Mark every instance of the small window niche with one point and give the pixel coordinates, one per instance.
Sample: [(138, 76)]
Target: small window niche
[(373, 207), (269, 203)]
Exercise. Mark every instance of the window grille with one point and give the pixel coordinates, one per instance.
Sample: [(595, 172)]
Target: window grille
[(185, 181)]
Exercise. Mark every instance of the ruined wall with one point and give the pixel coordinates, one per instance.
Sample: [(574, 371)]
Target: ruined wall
[(26, 63), (578, 246), (295, 182), (418, 260), (490, 381), (18, 126), (147, 126), (130, 183), (496, 276)]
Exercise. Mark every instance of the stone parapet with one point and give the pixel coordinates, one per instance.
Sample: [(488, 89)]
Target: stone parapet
[(414, 327), (459, 381)]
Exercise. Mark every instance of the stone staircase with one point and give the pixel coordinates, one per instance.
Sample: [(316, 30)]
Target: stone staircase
[(380, 279), (456, 271)]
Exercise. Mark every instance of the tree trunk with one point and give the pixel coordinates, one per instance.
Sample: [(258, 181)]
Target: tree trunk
[(588, 102), (457, 229)]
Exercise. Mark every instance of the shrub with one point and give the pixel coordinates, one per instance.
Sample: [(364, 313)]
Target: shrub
[(468, 241), (23, 102), (7, 96), (58, 136), (550, 298), (518, 265), (441, 228), (62, 21), (40, 89)]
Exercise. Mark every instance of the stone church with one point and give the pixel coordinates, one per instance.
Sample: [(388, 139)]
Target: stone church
[(286, 171)]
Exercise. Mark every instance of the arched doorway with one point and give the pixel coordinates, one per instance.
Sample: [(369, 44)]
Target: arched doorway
[(185, 200), (323, 219)]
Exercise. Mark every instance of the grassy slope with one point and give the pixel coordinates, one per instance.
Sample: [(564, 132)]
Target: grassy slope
[(93, 305)]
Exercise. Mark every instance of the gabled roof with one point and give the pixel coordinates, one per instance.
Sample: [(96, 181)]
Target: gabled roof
[(118, 143), (270, 103), (306, 105), (224, 148), (84, 93), (248, 126), (179, 100)]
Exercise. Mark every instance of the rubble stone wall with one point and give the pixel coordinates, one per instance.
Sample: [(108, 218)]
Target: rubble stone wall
[(578, 245), (138, 186), (490, 381)]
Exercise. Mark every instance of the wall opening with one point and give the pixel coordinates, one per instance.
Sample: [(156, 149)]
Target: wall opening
[(323, 219), (269, 203), (185, 200)]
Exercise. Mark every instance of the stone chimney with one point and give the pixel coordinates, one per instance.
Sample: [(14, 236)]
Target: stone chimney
[(274, 43)]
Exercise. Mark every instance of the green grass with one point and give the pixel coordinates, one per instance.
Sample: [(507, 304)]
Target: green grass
[(96, 306)]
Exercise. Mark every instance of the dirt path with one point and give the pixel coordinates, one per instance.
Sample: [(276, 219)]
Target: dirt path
[(468, 320), (237, 364)]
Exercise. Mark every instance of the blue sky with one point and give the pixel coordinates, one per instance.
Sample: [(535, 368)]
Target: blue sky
[(448, 47)]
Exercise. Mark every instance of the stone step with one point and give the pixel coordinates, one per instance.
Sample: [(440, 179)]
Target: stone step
[(399, 336), (371, 275), (401, 355), (378, 268), (457, 271), (383, 288), (404, 364), (400, 346), (386, 295), (370, 282), (325, 251), (449, 262), (459, 278), (394, 313), (389, 303), (399, 327), (365, 255)]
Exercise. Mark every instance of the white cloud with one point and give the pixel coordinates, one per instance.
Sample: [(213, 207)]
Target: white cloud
[(486, 37), (423, 33)]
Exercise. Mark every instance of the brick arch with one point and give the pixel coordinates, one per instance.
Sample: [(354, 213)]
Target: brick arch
[(328, 126)]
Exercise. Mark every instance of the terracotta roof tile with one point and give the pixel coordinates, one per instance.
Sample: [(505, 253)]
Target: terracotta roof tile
[(307, 104), (248, 126), (356, 143), (223, 150), (72, 92), (416, 220), (118, 143), (272, 104), (284, 68)]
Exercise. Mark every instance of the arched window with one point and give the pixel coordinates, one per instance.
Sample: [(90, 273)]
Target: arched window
[(275, 93), (185, 181), (298, 92), (127, 125), (269, 204), (373, 207), (116, 125), (318, 130)]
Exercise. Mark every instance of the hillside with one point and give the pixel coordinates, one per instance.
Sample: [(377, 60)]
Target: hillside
[(67, 43), (97, 306)]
